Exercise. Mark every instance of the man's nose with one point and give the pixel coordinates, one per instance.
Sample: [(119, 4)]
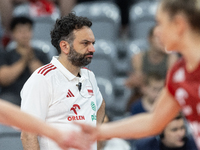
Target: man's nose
[(91, 48)]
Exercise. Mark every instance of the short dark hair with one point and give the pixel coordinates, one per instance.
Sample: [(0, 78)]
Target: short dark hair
[(20, 20), (64, 27), (179, 116)]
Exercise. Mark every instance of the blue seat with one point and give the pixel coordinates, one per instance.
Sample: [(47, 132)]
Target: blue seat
[(105, 17), (142, 18)]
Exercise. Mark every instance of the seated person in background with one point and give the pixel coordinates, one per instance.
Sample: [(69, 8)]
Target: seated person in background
[(155, 59), (17, 65), (153, 84), (174, 137), (47, 6)]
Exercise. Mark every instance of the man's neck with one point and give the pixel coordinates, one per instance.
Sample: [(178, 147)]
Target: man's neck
[(68, 65)]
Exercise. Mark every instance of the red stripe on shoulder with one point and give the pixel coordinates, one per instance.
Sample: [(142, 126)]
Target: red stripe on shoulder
[(49, 70), (44, 70), (44, 67), (86, 68)]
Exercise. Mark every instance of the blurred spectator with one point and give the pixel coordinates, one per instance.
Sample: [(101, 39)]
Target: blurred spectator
[(155, 59), (18, 64), (46, 6), (174, 137), (153, 84)]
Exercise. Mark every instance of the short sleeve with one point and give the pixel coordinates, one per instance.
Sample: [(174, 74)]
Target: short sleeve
[(99, 98), (36, 96)]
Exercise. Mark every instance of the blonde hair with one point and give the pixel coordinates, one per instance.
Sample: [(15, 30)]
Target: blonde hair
[(190, 8)]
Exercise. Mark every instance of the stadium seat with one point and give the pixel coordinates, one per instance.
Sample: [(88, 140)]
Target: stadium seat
[(136, 1), (22, 10), (103, 60), (25, 9), (105, 17), (106, 89), (10, 138), (45, 46), (42, 24), (122, 94), (42, 28), (122, 62), (135, 47), (142, 18)]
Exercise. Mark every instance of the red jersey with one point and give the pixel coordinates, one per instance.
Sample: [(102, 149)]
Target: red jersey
[(185, 87)]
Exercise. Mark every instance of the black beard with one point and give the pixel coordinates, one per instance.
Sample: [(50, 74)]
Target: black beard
[(77, 59)]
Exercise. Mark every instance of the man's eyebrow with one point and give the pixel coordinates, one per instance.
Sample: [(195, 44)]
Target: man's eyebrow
[(88, 41)]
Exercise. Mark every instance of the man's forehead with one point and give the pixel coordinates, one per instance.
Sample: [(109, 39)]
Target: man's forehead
[(84, 33)]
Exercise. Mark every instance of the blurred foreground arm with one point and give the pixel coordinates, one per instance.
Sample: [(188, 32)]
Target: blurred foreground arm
[(12, 115), (142, 125)]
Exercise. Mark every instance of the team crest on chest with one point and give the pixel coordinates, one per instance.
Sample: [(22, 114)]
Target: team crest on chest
[(90, 90)]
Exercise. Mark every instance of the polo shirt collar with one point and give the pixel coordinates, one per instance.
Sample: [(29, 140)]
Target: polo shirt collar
[(64, 71)]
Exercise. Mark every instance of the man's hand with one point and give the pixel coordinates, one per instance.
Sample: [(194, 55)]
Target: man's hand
[(91, 131)]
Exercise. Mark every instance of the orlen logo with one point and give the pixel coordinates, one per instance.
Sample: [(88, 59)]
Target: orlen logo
[(75, 106), (74, 109)]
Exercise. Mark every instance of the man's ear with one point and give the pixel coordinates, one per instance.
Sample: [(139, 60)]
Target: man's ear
[(65, 47)]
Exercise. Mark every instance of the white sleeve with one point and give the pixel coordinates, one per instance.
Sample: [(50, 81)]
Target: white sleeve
[(99, 98), (36, 96)]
